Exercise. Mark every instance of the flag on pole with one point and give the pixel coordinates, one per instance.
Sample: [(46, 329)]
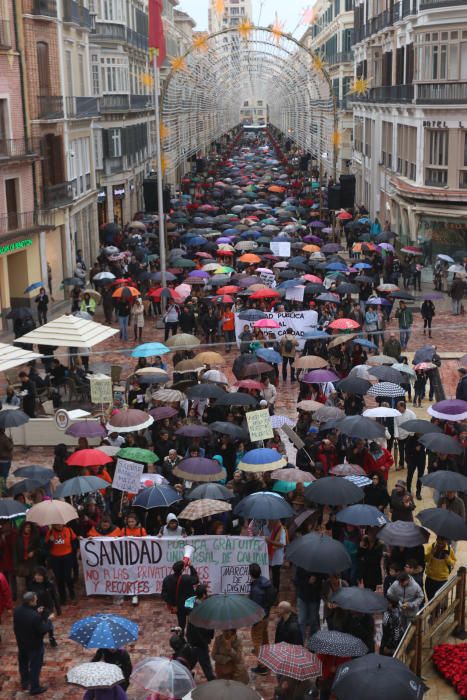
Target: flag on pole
[(157, 47)]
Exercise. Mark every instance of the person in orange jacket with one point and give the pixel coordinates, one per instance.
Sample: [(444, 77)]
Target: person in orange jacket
[(105, 528), (378, 459), (132, 528), (60, 541)]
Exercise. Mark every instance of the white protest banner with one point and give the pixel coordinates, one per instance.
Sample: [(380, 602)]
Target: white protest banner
[(127, 476), (295, 293), (299, 321), (138, 565), (259, 425), (280, 248), (101, 389)]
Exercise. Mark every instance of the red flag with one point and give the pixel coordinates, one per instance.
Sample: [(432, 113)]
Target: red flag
[(156, 32)]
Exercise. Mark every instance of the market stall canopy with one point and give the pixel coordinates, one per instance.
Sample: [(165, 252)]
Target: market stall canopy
[(69, 331), (11, 356)]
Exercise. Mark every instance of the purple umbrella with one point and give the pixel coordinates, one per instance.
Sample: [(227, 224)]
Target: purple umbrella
[(199, 273), (451, 409), (319, 376), (317, 224), (312, 239), (224, 239), (199, 469), (331, 248), (193, 431), (432, 296), (386, 246), (86, 429), (162, 412)]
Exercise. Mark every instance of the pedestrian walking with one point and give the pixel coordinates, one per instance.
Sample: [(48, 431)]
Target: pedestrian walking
[(456, 292), (288, 349), (405, 318), (428, 313), (42, 301)]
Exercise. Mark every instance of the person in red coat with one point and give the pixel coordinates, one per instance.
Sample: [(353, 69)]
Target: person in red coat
[(327, 455), (378, 459), (6, 600)]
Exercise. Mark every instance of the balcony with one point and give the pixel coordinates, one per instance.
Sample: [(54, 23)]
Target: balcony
[(441, 93), (18, 149), (82, 107), (387, 18), (110, 32), (114, 103), (49, 107), (433, 4), (338, 58), (386, 93), (139, 41), (58, 195), (74, 13), (141, 102), (44, 8), (16, 223)]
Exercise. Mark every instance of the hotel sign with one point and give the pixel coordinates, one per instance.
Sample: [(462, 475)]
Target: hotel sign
[(15, 245)]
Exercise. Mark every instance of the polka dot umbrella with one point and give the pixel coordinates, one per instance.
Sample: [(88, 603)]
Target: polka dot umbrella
[(104, 631)]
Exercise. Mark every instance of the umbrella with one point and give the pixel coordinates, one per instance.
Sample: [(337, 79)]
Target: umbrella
[(168, 395), (183, 340), (88, 458), (444, 523), (325, 413), (103, 631), (249, 384), (199, 469), (73, 282), (208, 357), (311, 362), (443, 444), (403, 534), (354, 385), (36, 285), (319, 376), (264, 505), (126, 293), (129, 421), (443, 481), (215, 492), (204, 508), (424, 354), (136, 454), (318, 553), (205, 391), (290, 660), (361, 600), (216, 376), (13, 418), (163, 412), (21, 312), (231, 429), (251, 315), (451, 409), (157, 496), (309, 406), (262, 459), (358, 480), (381, 412), (224, 612), (9, 508), (386, 389), (347, 469), (362, 515), (95, 674), (80, 485), (149, 350), (256, 368), (51, 513), (293, 475), (421, 426), (344, 324), (225, 689), (193, 431), (35, 472), (332, 491), (187, 366), (360, 427), (237, 398), (87, 429), (386, 374), (156, 377), (334, 643), (360, 677)]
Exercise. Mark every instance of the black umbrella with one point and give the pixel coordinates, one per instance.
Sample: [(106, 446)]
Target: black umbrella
[(362, 600), (374, 675), (347, 288), (205, 391), (73, 282), (445, 481), (422, 427), (360, 427), (231, 429), (237, 398), (354, 385), (252, 315), (387, 374), (333, 491), (424, 354), (9, 508), (405, 296), (318, 553), (241, 362), (363, 279), (224, 612), (12, 418), (444, 523), (26, 485), (20, 313), (212, 491), (403, 534), (336, 643), (443, 444)]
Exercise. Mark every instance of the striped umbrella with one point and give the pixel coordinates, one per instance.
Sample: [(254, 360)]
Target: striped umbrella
[(386, 389), (203, 509), (290, 660)]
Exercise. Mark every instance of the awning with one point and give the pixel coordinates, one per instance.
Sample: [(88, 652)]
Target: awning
[(70, 332), (10, 356)]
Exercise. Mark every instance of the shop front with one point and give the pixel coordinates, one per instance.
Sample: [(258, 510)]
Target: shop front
[(20, 267), (118, 195), (438, 234), (102, 206)]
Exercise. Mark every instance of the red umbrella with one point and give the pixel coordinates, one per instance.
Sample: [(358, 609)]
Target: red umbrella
[(88, 458), (344, 216), (313, 278), (121, 280), (249, 384), (290, 660), (347, 469), (157, 293), (206, 256), (344, 324), (229, 289), (265, 294)]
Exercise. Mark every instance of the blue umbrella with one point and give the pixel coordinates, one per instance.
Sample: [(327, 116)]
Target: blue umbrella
[(337, 266), (364, 343), (252, 315), (104, 631), (316, 335), (269, 355), (80, 485), (289, 283), (362, 515), (157, 496), (261, 459), (149, 350), (362, 266), (264, 505), (33, 471), (33, 286)]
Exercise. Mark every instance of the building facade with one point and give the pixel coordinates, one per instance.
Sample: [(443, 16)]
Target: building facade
[(410, 125), (235, 12), (254, 112), (331, 37)]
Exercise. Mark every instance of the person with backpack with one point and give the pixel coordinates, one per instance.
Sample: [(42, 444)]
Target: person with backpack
[(264, 594), (177, 587), (288, 348)]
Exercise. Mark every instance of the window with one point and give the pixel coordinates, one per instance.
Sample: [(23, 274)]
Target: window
[(98, 155), (386, 144), (348, 5), (358, 134), (95, 76), (407, 151), (43, 68), (112, 10), (69, 73), (368, 135), (436, 156), (82, 86), (115, 143), (114, 74)]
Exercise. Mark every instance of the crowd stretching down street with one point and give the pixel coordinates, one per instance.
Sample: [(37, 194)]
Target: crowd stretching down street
[(273, 482)]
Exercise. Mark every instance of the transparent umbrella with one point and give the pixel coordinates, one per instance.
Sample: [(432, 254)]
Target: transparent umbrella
[(158, 674)]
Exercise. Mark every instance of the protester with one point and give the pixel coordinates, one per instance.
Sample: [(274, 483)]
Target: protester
[(288, 348), (47, 597), (264, 594), (288, 629), (406, 592), (30, 627), (227, 653), (60, 541), (440, 560), (177, 588), (198, 637)]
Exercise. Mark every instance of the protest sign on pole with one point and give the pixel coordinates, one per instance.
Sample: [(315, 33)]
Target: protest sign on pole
[(295, 293), (280, 248), (299, 321), (259, 425), (101, 389), (127, 476), (138, 565), (268, 278)]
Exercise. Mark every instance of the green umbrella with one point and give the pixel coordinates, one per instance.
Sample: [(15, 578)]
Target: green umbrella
[(286, 486), (183, 262), (225, 612), (138, 455)]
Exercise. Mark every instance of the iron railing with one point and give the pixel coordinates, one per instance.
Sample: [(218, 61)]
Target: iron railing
[(114, 103), (432, 4), (50, 107), (58, 195), (82, 107), (142, 101), (441, 93), (108, 31), (44, 8), (76, 13), (18, 148), (386, 93), (23, 221)]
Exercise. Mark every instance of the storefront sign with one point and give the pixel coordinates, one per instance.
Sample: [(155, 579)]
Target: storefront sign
[(259, 425), (299, 321), (119, 192), (138, 565), (15, 245), (101, 196)]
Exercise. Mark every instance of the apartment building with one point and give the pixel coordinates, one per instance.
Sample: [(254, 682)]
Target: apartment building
[(331, 37), (254, 112), (410, 125), (235, 12)]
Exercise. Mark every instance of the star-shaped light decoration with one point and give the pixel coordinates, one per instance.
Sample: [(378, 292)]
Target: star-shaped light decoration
[(178, 63), (318, 62), (219, 7), (359, 86), (245, 28), (200, 43), (308, 16), (336, 139), (277, 30), (164, 131), (147, 79)]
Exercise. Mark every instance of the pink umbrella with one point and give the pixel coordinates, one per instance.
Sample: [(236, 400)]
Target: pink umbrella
[(183, 290), (266, 323)]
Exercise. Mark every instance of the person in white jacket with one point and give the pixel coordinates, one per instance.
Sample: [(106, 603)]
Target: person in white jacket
[(407, 593), (405, 415), (270, 394)]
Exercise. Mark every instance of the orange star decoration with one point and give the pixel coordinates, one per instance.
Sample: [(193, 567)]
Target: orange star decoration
[(219, 7), (200, 43), (277, 30), (336, 138), (245, 28), (178, 63), (359, 86), (164, 131), (318, 62), (147, 79)]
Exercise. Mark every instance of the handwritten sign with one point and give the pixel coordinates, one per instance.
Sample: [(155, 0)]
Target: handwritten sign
[(101, 390), (127, 476), (138, 565), (259, 425), (299, 321), (268, 279), (295, 293), (280, 248)]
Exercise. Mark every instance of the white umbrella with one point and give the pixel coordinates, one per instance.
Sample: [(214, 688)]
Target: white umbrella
[(97, 674), (110, 450), (11, 356), (214, 375), (70, 332), (104, 276), (51, 513), (457, 269), (381, 412)]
